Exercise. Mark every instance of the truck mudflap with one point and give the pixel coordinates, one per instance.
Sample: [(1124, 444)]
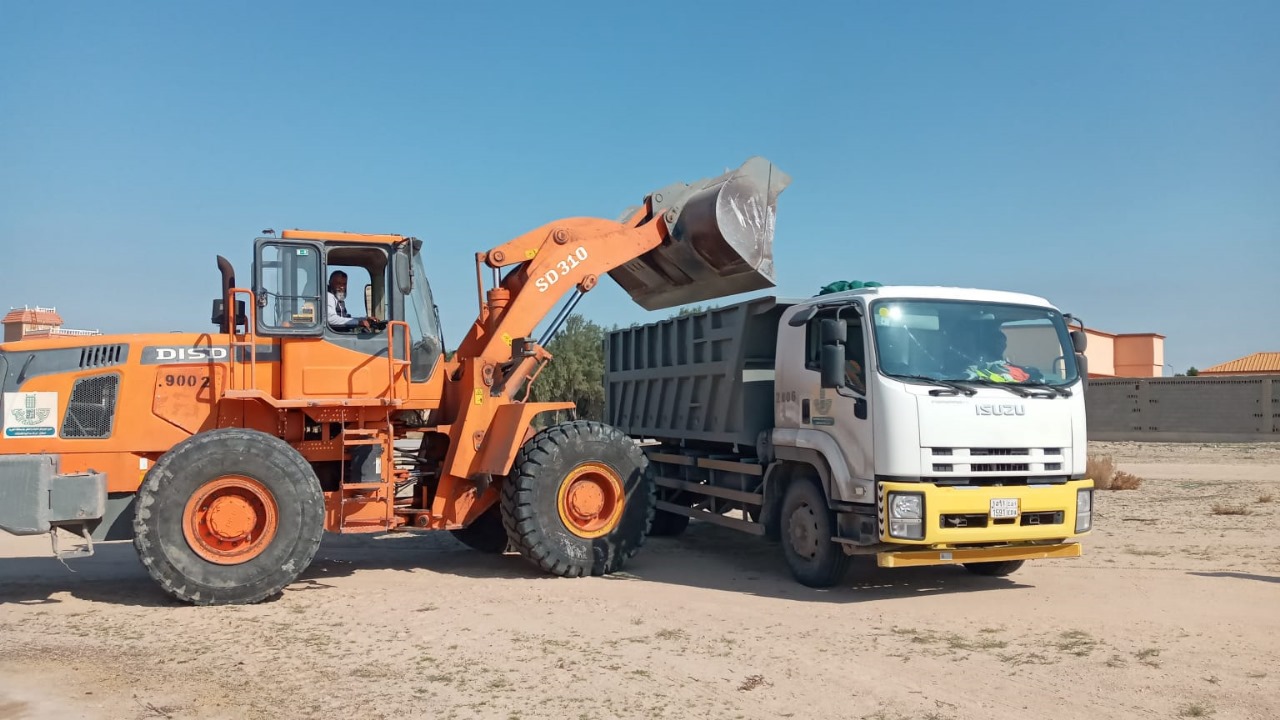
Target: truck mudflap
[(956, 556), (35, 498)]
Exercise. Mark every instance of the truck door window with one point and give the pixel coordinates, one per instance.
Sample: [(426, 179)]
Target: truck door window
[(854, 348)]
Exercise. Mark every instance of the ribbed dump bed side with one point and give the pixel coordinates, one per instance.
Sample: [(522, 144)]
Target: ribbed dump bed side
[(703, 377)]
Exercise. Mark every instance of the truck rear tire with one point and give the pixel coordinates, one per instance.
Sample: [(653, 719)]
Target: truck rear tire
[(229, 516), (487, 534), (579, 500), (807, 528), (994, 569)]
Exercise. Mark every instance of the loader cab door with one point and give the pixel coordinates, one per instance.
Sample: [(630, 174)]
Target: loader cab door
[(288, 287)]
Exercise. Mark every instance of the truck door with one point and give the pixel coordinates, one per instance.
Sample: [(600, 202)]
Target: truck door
[(843, 413)]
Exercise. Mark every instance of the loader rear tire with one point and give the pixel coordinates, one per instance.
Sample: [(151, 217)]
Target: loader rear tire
[(994, 569), (487, 534), (579, 500), (227, 517)]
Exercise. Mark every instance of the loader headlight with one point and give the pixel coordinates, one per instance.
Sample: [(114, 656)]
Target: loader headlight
[(906, 516), (1084, 510)]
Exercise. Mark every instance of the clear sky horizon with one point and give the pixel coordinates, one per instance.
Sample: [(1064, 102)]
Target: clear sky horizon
[(1120, 159)]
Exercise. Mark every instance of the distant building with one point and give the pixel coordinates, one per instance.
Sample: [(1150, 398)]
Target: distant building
[(1259, 363), (25, 323), (1125, 355)]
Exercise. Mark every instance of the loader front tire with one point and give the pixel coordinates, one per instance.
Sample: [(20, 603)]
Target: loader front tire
[(579, 500), (228, 517)]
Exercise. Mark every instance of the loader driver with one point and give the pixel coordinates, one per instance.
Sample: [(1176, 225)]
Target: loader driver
[(337, 315)]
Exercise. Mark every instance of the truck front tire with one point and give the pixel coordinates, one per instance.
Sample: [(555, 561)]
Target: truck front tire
[(579, 500), (807, 528)]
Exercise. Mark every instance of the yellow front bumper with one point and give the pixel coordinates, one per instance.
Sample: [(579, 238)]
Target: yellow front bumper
[(917, 558), (1045, 521)]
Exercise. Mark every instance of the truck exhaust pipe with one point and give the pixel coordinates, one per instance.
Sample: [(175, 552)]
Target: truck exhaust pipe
[(719, 240)]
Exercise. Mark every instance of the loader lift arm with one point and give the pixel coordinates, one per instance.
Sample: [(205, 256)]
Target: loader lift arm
[(685, 243)]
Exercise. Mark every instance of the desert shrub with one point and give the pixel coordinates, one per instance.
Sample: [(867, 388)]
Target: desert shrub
[(1105, 476)]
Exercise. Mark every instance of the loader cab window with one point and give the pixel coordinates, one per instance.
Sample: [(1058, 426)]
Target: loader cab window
[(355, 289), (855, 353), (290, 288), (422, 316)]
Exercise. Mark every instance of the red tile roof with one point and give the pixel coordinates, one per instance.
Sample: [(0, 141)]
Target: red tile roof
[(32, 316), (1260, 362)]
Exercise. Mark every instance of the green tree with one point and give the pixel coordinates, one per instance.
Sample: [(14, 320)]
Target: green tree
[(1192, 371), (576, 371)]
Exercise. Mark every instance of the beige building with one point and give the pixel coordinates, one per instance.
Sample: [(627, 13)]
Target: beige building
[(1124, 355), (36, 322)]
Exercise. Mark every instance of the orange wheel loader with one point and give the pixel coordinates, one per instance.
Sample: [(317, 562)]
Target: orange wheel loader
[(226, 455)]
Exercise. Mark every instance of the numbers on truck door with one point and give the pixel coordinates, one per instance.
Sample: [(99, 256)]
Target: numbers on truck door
[(562, 269)]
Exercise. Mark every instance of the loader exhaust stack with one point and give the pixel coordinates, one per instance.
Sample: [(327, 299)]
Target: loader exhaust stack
[(720, 239)]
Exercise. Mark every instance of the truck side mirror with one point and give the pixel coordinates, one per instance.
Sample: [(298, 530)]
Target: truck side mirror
[(832, 366), (834, 332), (1079, 341)]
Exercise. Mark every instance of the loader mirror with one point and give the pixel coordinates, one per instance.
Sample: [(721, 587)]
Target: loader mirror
[(404, 268), (832, 366)]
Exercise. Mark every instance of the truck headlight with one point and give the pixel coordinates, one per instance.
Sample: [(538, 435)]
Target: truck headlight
[(1084, 510), (906, 516)]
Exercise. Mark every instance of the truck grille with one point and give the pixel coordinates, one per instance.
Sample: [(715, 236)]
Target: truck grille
[(994, 466), (980, 520), (92, 408)]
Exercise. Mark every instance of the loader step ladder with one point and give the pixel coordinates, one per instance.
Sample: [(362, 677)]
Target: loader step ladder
[(353, 497)]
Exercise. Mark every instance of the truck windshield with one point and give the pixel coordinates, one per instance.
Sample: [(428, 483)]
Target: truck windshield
[(982, 342)]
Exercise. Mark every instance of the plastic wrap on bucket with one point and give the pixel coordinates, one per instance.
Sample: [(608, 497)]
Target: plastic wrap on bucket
[(721, 239)]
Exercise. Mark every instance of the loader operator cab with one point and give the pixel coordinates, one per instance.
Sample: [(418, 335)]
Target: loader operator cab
[(384, 281)]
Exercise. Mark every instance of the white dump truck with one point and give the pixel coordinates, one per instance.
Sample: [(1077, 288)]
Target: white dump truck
[(921, 425)]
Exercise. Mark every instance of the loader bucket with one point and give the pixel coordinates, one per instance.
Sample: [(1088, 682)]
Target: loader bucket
[(720, 241)]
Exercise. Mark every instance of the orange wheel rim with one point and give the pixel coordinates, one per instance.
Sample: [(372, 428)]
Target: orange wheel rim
[(590, 500), (230, 520)]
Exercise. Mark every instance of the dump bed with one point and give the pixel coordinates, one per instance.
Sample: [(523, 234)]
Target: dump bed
[(705, 377)]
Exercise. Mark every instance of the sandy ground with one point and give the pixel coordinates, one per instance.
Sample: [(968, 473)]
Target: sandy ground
[(1173, 612)]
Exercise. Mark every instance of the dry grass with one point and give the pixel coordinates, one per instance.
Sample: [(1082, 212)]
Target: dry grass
[(1102, 469), (1266, 498), (1224, 509)]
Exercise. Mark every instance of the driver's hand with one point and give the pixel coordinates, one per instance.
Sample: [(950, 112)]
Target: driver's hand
[(364, 323)]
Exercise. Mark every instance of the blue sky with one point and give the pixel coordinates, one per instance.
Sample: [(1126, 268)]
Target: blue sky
[(1121, 159)]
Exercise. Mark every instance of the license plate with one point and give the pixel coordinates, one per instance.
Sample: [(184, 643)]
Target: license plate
[(1004, 508)]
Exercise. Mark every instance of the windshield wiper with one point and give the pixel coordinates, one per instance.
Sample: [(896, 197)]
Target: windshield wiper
[(1054, 389), (956, 388), (1003, 386)]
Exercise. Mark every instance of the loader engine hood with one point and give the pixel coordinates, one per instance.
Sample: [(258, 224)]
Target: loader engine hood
[(720, 239)]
